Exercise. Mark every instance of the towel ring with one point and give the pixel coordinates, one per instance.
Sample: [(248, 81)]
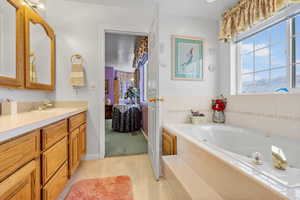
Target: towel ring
[(78, 57)]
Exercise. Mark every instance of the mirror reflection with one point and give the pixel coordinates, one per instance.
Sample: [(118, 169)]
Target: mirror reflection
[(40, 55), (7, 39)]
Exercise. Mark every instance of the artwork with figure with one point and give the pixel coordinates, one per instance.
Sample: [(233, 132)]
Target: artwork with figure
[(187, 58)]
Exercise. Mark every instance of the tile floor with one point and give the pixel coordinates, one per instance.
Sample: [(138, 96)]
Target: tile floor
[(138, 167)]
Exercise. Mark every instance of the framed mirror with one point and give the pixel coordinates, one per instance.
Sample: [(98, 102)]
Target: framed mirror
[(39, 52), (11, 44)]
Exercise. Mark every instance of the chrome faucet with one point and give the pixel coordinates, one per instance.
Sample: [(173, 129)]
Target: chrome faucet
[(45, 105), (279, 159)]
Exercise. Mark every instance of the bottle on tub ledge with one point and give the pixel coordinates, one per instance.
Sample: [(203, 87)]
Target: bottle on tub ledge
[(218, 107)]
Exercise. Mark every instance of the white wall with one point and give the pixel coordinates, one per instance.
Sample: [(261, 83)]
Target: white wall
[(224, 75), (181, 96), (79, 28)]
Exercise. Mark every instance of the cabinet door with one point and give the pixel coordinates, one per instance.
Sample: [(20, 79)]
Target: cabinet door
[(73, 151), (169, 143), (23, 184), (12, 44), (82, 140), (40, 54)]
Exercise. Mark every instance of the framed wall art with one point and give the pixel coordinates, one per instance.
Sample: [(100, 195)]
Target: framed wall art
[(188, 58)]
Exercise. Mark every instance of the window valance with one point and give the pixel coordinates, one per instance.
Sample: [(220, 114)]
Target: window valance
[(141, 49), (247, 13)]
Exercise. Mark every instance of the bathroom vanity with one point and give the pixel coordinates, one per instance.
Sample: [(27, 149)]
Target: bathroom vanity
[(40, 151)]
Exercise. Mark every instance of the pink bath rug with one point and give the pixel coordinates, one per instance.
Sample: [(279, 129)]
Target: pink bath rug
[(111, 188)]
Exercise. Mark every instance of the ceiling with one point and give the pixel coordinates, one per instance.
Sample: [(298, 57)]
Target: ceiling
[(196, 8), (119, 51), (188, 8), (119, 3)]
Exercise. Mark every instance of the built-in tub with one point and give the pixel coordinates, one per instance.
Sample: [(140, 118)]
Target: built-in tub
[(234, 146)]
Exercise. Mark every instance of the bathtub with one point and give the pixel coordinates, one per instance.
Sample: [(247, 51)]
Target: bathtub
[(235, 146)]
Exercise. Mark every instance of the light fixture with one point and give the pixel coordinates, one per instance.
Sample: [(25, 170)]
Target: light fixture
[(210, 1), (35, 4)]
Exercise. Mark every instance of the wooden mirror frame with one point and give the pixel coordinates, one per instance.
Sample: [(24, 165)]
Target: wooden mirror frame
[(18, 81), (32, 17)]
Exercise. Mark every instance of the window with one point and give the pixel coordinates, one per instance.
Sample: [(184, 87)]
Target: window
[(265, 63)]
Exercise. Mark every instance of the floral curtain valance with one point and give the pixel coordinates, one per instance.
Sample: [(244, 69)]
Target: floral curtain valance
[(141, 48), (247, 13)]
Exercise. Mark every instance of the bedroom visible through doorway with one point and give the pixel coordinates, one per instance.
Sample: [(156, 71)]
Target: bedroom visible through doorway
[(126, 111)]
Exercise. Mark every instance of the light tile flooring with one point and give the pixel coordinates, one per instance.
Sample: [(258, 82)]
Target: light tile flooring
[(138, 167)]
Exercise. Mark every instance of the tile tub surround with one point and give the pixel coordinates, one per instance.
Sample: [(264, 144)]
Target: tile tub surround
[(177, 109), (15, 125), (273, 114), (228, 177)]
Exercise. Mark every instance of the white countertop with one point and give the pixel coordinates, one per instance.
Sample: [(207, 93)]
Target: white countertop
[(15, 125)]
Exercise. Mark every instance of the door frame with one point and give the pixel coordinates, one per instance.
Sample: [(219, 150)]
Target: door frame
[(131, 30)]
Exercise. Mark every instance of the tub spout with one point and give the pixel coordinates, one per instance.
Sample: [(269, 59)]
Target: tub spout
[(279, 159)]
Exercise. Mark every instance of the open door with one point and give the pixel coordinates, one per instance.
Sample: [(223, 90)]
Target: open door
[(154, 136)]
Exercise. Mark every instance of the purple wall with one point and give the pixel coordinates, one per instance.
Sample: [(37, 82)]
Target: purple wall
[(110, 76)]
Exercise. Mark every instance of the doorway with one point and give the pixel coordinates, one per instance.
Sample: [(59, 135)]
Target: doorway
[(126, 112)]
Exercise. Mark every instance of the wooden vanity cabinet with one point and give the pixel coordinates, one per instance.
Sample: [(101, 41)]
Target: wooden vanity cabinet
[(37, 165), (77, 140)]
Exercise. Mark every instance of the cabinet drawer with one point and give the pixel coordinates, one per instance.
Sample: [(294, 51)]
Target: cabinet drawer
[(53, 133), (53, 158), (56, 184), (15, 153), (77, 120)]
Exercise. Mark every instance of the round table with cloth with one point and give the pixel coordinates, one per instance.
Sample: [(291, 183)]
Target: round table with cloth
[(126, 118)]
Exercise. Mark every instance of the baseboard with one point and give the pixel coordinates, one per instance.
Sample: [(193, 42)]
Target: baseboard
[(91, 157)]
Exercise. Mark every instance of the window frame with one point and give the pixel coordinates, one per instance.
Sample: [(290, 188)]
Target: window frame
[(288, 14)]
